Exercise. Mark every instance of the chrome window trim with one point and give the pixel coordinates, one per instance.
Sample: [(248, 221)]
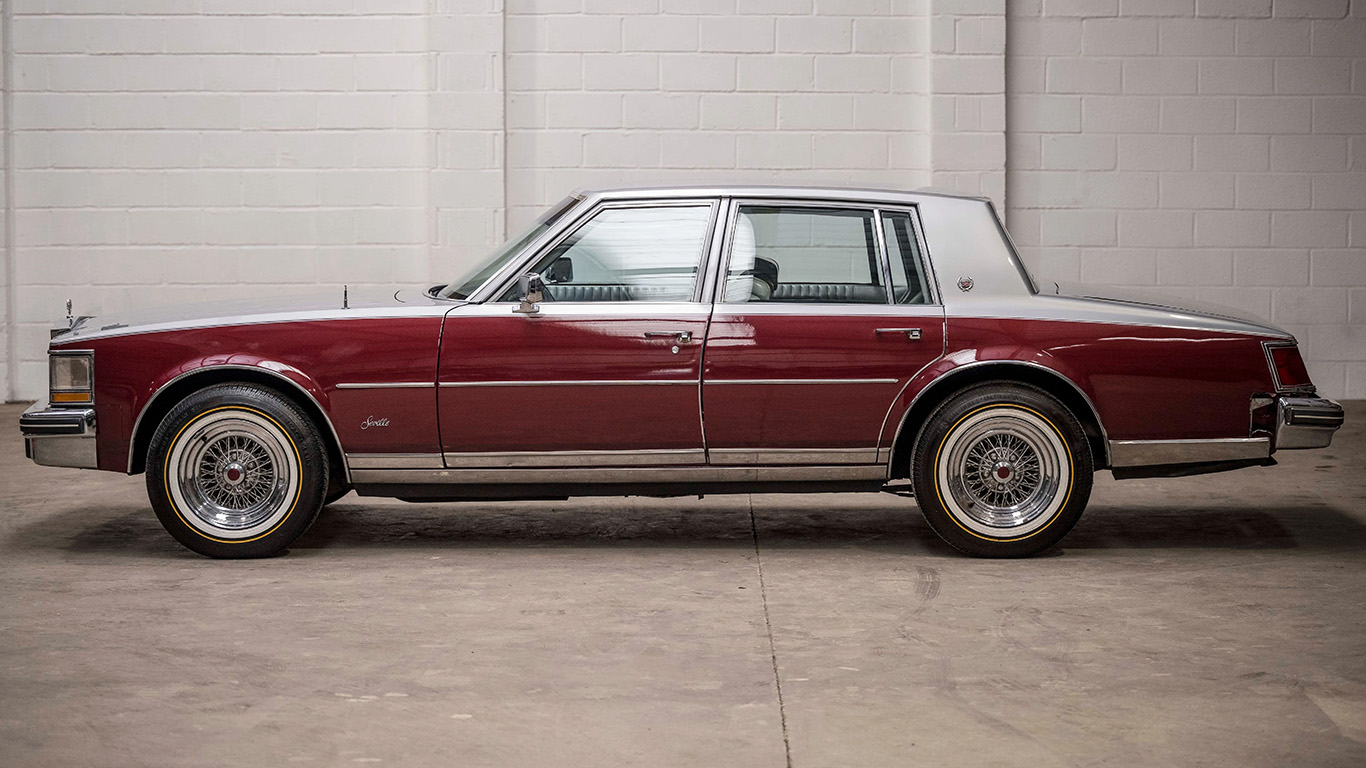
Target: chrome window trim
[(536, 250), (1298, 389), (575, 459), (838, 194), (738, 201), (1105, 439), (572, 383), (720, 256), (884, 262), (556, 475), (1144, 453), (385, 385), (931, 280), (327, 418), (926, 258), (741, 309)]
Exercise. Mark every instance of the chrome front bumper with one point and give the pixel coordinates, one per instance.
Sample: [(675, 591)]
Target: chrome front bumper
[(59, 437), (1306, 422)]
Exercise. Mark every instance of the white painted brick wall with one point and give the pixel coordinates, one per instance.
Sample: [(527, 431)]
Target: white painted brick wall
[(6, 320), (214, 150), (181, 151), (668, 91), (1211, 148)]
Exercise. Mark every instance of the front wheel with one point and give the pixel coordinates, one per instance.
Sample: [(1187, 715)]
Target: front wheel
[(1002, 470), (235, 471)]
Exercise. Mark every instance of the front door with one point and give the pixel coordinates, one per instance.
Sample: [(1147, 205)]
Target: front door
[(808, 347), (606, 372)]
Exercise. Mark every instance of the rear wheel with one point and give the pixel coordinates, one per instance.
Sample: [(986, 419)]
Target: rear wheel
[(236, 470), (1002, 470)]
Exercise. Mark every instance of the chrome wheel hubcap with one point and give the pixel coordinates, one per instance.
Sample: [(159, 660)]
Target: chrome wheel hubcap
[(236, 474), (1002, 472)]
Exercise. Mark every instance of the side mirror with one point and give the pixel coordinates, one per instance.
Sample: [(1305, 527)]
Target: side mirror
[(561, 270), (530, 291)]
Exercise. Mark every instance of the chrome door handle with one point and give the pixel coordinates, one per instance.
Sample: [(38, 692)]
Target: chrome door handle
[(911, 333), (682, 337)]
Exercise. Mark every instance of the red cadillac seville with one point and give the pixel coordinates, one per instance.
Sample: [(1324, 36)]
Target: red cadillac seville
[(684, 341)]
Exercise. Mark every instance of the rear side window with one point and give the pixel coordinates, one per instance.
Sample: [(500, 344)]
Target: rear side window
[(909, 284), (807, 255)]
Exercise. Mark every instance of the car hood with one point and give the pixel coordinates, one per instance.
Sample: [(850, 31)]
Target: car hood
[(282, 308), (1153, 300)]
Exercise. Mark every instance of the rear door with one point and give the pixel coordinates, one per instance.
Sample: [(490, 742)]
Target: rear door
[(606, 372), (808, 348)]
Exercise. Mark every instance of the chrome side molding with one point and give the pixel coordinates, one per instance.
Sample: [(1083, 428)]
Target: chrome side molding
[(394, 460), (571, 459), (555, 475), (386, 385), (1144, 453), (777, 456), (571, 383), (720, 458)]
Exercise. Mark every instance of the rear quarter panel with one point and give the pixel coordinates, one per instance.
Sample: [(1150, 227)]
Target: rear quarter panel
[(1146, 382)]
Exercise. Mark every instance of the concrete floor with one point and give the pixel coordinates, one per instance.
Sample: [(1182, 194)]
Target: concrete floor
[(1200, 621)]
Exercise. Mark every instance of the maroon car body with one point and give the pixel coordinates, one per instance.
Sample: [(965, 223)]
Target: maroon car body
[(719, 375)]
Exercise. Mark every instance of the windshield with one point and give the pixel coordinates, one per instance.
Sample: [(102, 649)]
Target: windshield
[(479, 273)]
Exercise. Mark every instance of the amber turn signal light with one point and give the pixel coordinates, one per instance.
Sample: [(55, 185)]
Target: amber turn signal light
[(70, 397)]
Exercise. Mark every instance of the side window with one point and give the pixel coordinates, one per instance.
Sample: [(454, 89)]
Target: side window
[(627, 254), (909, 285), (794, 254)]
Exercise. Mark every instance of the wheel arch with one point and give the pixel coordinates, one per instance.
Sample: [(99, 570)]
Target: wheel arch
[(183, 385), (957, 379)]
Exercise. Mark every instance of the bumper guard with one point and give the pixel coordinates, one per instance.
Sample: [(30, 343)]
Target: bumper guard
[(59, 437), (1306, 422)]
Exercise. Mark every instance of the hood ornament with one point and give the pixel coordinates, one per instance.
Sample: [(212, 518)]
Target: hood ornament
[(70, 321), (346, 297)]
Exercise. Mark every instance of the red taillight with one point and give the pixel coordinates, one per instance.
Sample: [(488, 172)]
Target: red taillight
[(1289, 367)]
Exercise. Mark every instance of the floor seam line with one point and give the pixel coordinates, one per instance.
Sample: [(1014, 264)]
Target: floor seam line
[(768, 626)]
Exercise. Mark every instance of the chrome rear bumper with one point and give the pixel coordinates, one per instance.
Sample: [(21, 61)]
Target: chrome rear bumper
[(1306, 422), (59, 437)]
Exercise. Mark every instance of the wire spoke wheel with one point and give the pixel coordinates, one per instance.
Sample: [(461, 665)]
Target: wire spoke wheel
[(1003, 472), (234, 474)]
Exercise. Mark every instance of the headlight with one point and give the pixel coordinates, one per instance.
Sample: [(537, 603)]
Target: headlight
[(70, 377)]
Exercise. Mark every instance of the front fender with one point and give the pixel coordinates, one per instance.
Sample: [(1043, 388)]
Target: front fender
[(176, 381)]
